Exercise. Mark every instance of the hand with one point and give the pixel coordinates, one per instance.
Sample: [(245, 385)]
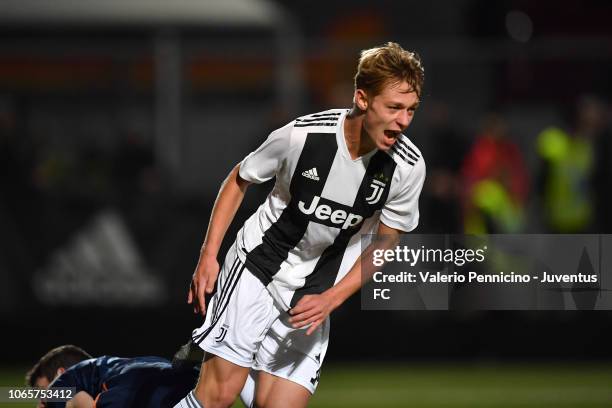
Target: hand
[(313, 310), (203, 280)]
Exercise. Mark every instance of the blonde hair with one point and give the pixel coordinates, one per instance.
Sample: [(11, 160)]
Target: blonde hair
[(389, 64)]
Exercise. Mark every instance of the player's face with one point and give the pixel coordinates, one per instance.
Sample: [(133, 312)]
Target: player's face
[(389, 113), (41, 382)]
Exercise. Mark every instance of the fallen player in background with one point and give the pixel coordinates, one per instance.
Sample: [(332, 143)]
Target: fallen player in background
[(120, 382)]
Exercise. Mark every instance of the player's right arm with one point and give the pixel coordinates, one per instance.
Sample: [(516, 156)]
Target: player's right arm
[(259, 166), (227, 203)]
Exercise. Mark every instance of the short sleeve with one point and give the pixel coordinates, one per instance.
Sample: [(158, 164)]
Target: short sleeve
[(263, 164), (401, 211)]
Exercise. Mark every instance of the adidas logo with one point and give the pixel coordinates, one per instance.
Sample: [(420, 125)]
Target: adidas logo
[(100, 266), (311, 174)]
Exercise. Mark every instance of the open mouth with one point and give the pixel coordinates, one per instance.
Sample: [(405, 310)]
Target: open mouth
[(391, 136)]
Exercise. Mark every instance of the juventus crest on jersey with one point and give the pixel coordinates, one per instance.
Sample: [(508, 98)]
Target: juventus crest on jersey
[(305, 236)]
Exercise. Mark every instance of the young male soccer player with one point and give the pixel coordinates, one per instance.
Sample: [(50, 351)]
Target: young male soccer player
[(106, 381), (338, 173)]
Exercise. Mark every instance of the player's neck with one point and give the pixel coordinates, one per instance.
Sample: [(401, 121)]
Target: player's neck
[(357, 139)]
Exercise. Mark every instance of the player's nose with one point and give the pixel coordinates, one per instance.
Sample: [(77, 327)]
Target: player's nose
[(403, 119)]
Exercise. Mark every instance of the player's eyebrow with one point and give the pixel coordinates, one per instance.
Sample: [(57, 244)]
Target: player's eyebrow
[(401, 105)]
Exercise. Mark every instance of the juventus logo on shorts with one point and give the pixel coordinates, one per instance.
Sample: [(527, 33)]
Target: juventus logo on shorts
[(377, 189), (222, 333)]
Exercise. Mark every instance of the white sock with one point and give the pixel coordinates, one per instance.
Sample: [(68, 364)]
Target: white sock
[(190, 401), (247, 395)]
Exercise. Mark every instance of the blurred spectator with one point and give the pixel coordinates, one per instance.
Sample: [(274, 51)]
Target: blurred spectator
[(441, 208), (495, 181), (569, 181)]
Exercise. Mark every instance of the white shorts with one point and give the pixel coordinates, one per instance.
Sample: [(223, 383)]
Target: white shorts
[(245, 326)]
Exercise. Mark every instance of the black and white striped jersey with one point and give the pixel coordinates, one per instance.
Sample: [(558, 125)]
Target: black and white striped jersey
[(306, 234)]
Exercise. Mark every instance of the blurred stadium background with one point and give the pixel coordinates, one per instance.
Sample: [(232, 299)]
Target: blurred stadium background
[(120, 119)]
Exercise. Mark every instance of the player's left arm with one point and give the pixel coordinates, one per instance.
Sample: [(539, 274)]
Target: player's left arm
[(314, 309), (400, 214)]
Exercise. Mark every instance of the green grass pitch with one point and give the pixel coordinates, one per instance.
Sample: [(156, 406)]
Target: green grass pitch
[(444, 385), (463, 386)]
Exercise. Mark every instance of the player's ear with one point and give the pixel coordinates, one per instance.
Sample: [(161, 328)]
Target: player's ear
[(59, 371), (361, 99)]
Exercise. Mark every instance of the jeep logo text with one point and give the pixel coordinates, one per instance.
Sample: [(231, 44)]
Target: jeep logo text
[(325, 214)]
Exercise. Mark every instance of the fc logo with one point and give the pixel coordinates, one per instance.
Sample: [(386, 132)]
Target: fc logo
[(222, 333), (377, 189)]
